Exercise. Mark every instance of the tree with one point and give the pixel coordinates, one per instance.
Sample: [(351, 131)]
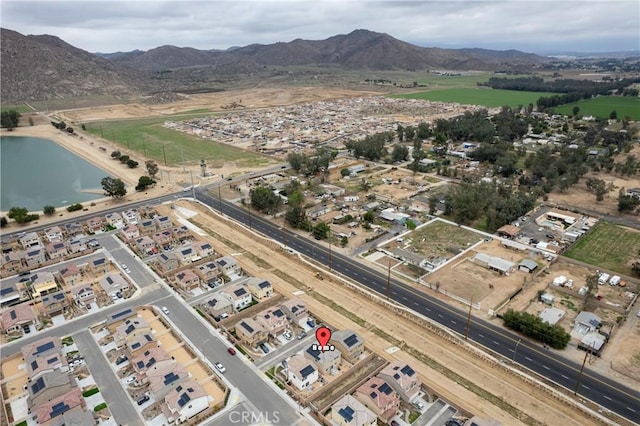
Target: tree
[(49, 210), (575, 110), (152, 168), (399, 153), (400, 132), (83, 127), (74, 207), (613, 115), (113, 187), (264, 200), (132, 164), (345, 172), (321, 231), (124, 158), (3, 222), (626, 203), (116, 155), (70, 130), (410, 224), (598, 187), (21, 215), (368, 216), (144, 182), (10, 119), (31, 123), (296, 161)]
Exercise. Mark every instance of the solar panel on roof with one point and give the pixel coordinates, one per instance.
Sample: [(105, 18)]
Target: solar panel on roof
[(12, 314), (151, 362), (189, 389), (135, 346), (58, 296), (179, 388), (264, 284), (6, 290), (58, 409), (34, 365), (307, 371), (373, 395), (52, 360), (314, 353), (385, 389), (246, 327), (140, 364), (120, 314), (37, 386), (149, 338), (278, 313), (44, 348), (396, 376), (170, 378), (346, 413), (240, 292), (130, 329), (408, 371), (184, 398), (351, 340)]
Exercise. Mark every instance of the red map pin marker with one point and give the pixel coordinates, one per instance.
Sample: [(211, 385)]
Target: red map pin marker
[(323, 335)]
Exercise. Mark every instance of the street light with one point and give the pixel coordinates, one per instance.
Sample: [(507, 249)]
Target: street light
[(515, 352)]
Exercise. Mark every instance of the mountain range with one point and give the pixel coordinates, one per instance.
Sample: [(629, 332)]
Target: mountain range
[(39, 67)]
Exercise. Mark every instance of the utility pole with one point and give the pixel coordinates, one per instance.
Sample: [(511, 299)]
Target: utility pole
[(330, 249), (164, 154), (249, 210), (466, 334), (193, 188), (515, 352), (220, 198), (389, 279), (584, 361)]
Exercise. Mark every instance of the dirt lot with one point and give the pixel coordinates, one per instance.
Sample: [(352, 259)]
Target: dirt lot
[(337, 303)]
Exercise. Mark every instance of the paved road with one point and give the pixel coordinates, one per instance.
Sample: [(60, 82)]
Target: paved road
[(111, 389), (549, 364), (285, 351)]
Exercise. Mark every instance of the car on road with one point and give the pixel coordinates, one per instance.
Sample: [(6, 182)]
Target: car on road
[(124, 266), (302, 335), (264, 348), (165, 310), (220, 367), (142, 399), (231, 351), (453, 422)]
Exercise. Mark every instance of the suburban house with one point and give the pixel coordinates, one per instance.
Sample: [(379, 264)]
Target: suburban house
[(77, 246), (240, 297), (181, 233), (318, 211), (11, 263), (494, 263), (115, 220), (333, 190), (163, 222), (95, 224), (99, 266), (167, 262), (74, 228), (220, 304), (204, 249), (163, 239), (326, 362), (186, 254), (403, 379), (140, 343), (29, 240), (154, 358), (348, 411), (229, 266), (131, 216), (34, 256), (260, 288), (273, 320), (129, 329), (56, 250), (42, 283), (19, 317), (187, 280), (130, 232), (508, 231), (251, 332), (295, 310), (164, 378), (114, 283), (184, 402), (379, 397), (114, 320), (10, 294), (83, 295), (69, 406), (53, 234), (50, 385), (586, 322), (43, 356), (208, 271), (55, 303), (147, 227), (349, 343), (145, 244), (300, 372)]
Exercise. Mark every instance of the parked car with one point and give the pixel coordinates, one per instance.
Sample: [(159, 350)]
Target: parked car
[(121, 359), (419, 405), (165, 310), (231, 351), (453, 422), (302, 335), (130, 380), (142, 399), (220, 367), (264, 348)]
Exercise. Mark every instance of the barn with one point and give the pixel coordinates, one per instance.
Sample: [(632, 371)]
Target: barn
[(494, 263), (527, 265)]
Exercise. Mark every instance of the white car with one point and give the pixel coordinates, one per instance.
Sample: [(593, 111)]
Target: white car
[(165, 310), (130, 380), (220, 367)]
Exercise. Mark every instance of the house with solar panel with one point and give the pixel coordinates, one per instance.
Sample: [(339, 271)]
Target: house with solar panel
[(187, 280), (114, 283), (184, 402), (115, 219), (167, 262), (114, 320), (42, 283), (77, 246), (163, 222), (43, 356), (67, 406), (131, 216), (229, 266), (163, 239), (34, 256), (260, 288), (130, 232), (348, 411), (129, 329), (164, 378), (70, 275), (29, 240), (83, 295), (300, 372), (48, 386), (204, 249), (11, 294), (56, 250), (251, 332), (349, 343), (140, 343), (181, 233), (11, 263), (19, 319), (295, 310), (403, 379), (55, 303), (220, 304), (379, 397), (208, 272), (147, 227), (326, 362), (151, 359), (99, 266), (145, 245), (273, 320), (240, 296)]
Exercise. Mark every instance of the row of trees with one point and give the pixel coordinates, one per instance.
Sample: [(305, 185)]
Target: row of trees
[(532, 326), (312, 165), (538, 84), (22, 215), (124, 159)]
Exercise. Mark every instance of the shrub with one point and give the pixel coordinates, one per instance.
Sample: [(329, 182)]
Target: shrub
[(100, 407), (74, 207), (90, 392)]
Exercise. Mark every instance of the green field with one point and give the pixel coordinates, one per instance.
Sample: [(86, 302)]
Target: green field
[(607, 246), (148, 137), (625, 106), (451, 81), (479, 96), (21, 108)]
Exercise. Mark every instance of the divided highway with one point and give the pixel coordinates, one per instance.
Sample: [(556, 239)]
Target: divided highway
[(600, 389)]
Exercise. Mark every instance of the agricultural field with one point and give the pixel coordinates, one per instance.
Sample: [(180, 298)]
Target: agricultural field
[(479, 96), (21, 108), (608, 246), (149, 137), (625, 106)]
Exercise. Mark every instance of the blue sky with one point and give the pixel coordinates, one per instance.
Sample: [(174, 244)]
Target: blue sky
[(532, 26)]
